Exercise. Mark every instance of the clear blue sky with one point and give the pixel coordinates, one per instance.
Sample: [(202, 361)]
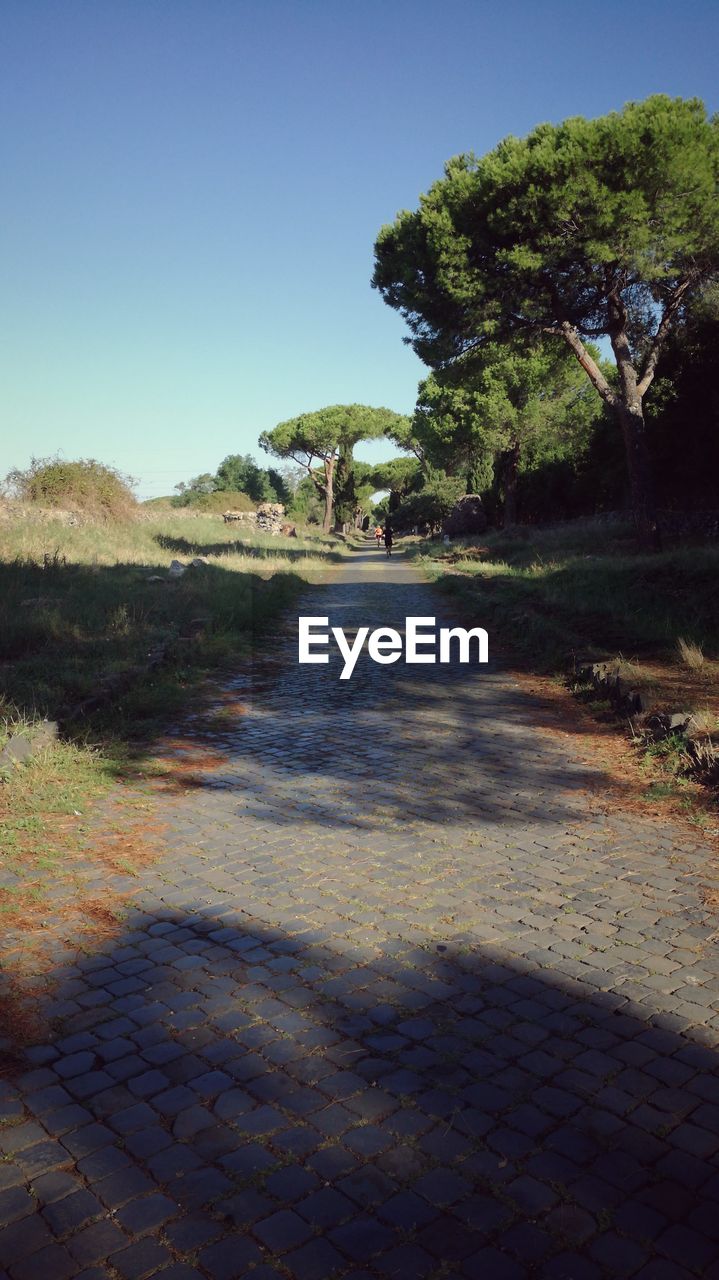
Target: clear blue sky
[(192, 189)]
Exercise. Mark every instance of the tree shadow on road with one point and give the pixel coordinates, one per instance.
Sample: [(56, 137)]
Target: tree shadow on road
[(237, 1095), (350, 752)]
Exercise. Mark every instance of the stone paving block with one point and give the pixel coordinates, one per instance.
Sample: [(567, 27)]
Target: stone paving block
[(230, 1258), (21, 1239), (282, 1231), (41, 1157), (292, 1183), (48, 1099), (201, 1187), (96, 1243), (442, 1187), (140, 1260), (571, 1266), (15, 1203), (527, 1242), (92, 1137), (72, 1212), (119, 1188), (126, 1067), (211, 1084), (51, 1263), (21, 1136), (361, 1239), (246, 1206), (133, 1119), (687, 1247), (189, 1234), (172, 1101), (89, 1083), (148, 1084), (53, 1186), (489, 1262)]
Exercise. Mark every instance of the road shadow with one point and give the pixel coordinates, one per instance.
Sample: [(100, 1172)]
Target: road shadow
[(350, 750), (76, 641), (229, 1095)]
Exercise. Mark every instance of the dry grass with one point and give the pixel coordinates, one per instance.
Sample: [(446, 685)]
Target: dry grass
[(183, 769), (705, 721), (161, 537), (690, 654)]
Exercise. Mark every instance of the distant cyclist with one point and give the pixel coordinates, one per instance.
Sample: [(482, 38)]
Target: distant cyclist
[(388, 538), (378, 533)]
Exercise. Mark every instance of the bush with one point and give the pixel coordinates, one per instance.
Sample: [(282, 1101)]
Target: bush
[(431, 506), (220, 500), (85, 485)]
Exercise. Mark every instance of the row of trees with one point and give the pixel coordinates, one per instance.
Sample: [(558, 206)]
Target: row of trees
[(239, 473), (510, 271), (322, 444), (588, 229)]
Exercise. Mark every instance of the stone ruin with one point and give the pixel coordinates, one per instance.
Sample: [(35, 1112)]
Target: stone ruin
[(268, 518)]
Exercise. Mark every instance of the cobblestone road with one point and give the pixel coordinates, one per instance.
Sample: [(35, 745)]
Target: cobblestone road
[(399, 1001)]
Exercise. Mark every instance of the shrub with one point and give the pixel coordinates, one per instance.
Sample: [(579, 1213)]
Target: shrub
[(220, 500), (432, 504), (86, 485)]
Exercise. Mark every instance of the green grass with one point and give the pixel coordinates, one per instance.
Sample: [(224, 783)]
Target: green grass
[(547, 593), (78, 607)]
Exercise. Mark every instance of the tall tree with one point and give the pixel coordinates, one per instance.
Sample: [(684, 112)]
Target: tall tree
[(201, 484), (504, 403), (240, 472), (583, 229), (451, 427), (315, 440), (401, 475)]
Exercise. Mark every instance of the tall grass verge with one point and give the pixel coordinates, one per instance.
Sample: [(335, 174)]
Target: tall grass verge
[(546, 595), (81, 608)]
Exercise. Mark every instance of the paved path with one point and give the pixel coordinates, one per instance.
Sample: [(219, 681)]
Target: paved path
[(399, 1001)]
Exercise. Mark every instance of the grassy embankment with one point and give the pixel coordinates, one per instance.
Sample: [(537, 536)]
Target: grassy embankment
[(78, 607), (546, 595)]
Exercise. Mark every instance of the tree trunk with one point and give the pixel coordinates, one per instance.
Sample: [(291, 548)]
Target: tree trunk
[(631, 420), (329, 494), (628, 408), (641, 488), (511, 465)]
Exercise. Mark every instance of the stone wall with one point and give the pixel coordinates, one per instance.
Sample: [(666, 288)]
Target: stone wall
[(268, 518)]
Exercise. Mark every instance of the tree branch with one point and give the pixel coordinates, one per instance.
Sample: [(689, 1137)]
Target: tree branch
[(301, 461), (650, 364), (589, 365)]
